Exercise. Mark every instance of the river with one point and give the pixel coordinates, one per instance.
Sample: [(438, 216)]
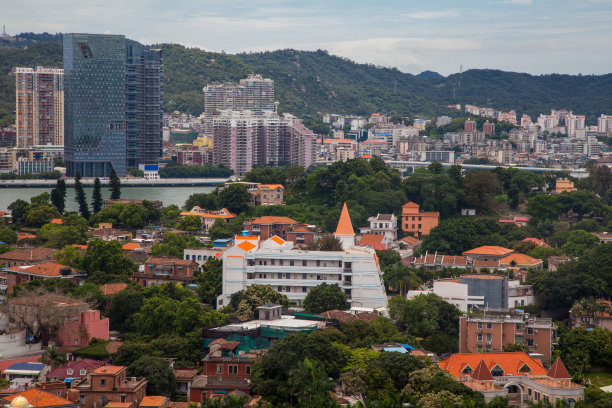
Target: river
[(167, 195)]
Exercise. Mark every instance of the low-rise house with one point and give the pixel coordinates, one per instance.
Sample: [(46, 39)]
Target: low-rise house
[(554, 262), (268, 194), (564, 185), (374, 241), (74, 370), (224, 370), (491, 333), (26, 373), (520, 295), (604, 237), (434, 262), (209, 217), (488, 253), (410, 243), (20, 257), (268, 226), (18, 275), (154, 402), (382, 224), (301, 234), (452, 291), (416, 221), (162, 269), (591, 313), (79, 332), (111, 289), (183, 380), (537, 241), (202, 255), (112, 234), (36, 398), (516, 376), (106, 384)]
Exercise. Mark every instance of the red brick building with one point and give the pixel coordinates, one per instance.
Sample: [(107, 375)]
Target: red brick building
[(20, 257), (106, 384), (161, 270), (17, 275), (268, 226), (224, 371)]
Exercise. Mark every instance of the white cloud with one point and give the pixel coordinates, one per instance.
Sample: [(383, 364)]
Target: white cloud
[(522, 2), (432, 15)]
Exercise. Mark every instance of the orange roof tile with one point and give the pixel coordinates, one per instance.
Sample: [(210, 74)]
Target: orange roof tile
[(117, 404), (130, 246), (109, 369), (278, 240), (268, 219), (371, 239), (510, 363), (482, 373), (345, 226), (24, 235), (519, 259), (79, 246), (411, 240), (153, 401), (537, 241), (56, 221), (39, 398), (366, 156), (43, 269), (270, 186), (246, 246), (110, 289), (489, 250), (558, 370), (35, 254)]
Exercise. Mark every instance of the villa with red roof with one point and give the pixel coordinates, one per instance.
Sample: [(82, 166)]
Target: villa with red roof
[(74, 369), (416, 221), (108, 384), (159, 270), (268, 226), (17, 275), (209, 217), (488, 253), (38, 399), (517, 376), (268, 194)]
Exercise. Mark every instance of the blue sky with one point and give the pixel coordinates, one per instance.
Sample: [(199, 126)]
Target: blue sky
[(535, 36)]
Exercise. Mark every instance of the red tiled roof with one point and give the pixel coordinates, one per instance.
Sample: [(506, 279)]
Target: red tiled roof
[(489, 250), (558, 370), (86, 363), (270, 186), (482, 373), (269, 219), (49, 269), (109, 369), (56, 221), (411, 240), (110, 289), (537, 241), (38, 398), (24, 235), (367, 239), (130, 246), (34, 254), (433, 259), (185, 374), (153, 401), (482, 276), (510, 363), (519, 259), (345, 226)]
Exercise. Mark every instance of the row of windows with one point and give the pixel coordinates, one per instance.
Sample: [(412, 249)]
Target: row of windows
[(232, 369), (292, 262), (413, 226), (295, 276)]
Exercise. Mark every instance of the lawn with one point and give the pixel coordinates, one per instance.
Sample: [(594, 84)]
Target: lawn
[(599, 379)]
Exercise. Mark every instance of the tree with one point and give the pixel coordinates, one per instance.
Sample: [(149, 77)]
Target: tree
[(210, 281), (235, 198), (513, 347), (266, 175), (579, 242), (105, 263), (58, 195), (53, 357), (115, 185), (190, 223), (80, 197), (19, 210), (157, 371), (524, 247), (42, 199), (203, 200), (222, 229), (8, 236), (59, 235), (96, 200), (40, 215), (310, 385), (171, 245), (327, 242), (245, 302), (69, 256), (325, 297), (480, 187), (123, 308), (398, 366), (543, 207)]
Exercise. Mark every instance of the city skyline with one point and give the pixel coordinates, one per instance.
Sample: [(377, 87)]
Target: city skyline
[(535, 36)]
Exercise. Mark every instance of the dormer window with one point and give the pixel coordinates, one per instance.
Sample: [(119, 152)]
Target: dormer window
[(83, 371), (69, 371), (524, 369), (467, 370), (497, 371)]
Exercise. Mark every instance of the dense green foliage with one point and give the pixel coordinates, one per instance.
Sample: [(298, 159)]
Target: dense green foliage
[(157, 371), (174, 170), (325, 297)]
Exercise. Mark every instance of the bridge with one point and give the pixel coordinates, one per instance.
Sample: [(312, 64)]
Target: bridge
[(577, 173)]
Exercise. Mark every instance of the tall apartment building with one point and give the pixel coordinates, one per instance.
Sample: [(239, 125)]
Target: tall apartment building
[(488, 128), (469, 126), (113, 91), (39, 94), (492, 333), (574, 123), (254, 93), (295, 272), (604, 124), (242, 139)]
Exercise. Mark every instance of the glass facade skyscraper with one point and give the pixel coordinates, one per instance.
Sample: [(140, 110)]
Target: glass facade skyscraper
[(113, 104)]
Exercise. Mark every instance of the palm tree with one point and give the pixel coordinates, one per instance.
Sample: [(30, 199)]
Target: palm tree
[(53, 357)]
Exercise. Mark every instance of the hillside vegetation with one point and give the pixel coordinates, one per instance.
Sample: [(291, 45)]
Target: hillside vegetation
[(310, 82)]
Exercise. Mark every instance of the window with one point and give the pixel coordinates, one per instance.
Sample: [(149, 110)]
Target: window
[(122, 398), (489, 337), (81, 399), (219, 368), (489, 325), (497, 371), (530, 330), (288, 288), (233, 369), (102, 382), (318, 263), (530, 342), (69, 371), (479, 325), (304, 289), (304, 276), (247, 370), (291, 262), (525, 369), (83, 371), (467, 370), (304, 262), (479, 337)]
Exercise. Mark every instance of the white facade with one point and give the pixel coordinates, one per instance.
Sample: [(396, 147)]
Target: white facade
[(201, 255), (295, 272), (382, 224), (520, 295), (452, 292)]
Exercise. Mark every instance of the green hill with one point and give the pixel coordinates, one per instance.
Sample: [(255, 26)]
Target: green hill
[(310, 82)]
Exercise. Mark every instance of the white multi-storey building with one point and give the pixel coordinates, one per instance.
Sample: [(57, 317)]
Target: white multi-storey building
[(295, 272)]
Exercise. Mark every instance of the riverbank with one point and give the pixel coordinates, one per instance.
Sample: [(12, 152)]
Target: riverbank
[(125, 182)]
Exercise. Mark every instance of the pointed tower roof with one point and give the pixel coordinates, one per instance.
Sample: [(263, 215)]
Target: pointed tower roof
[(482, 372), (558, 370), (345, 226)]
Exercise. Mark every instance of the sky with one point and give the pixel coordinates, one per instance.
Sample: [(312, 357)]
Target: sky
[(533, 36)]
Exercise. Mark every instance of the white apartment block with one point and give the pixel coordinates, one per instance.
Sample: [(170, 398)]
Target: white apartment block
[(295, 272), (451, 292), (604, 124), (382, 224)]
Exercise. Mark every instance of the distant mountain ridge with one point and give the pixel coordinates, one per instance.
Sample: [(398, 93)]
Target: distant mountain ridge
[(312, 82)]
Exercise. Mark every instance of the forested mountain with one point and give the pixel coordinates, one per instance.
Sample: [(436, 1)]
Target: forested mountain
[(308, 82)]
